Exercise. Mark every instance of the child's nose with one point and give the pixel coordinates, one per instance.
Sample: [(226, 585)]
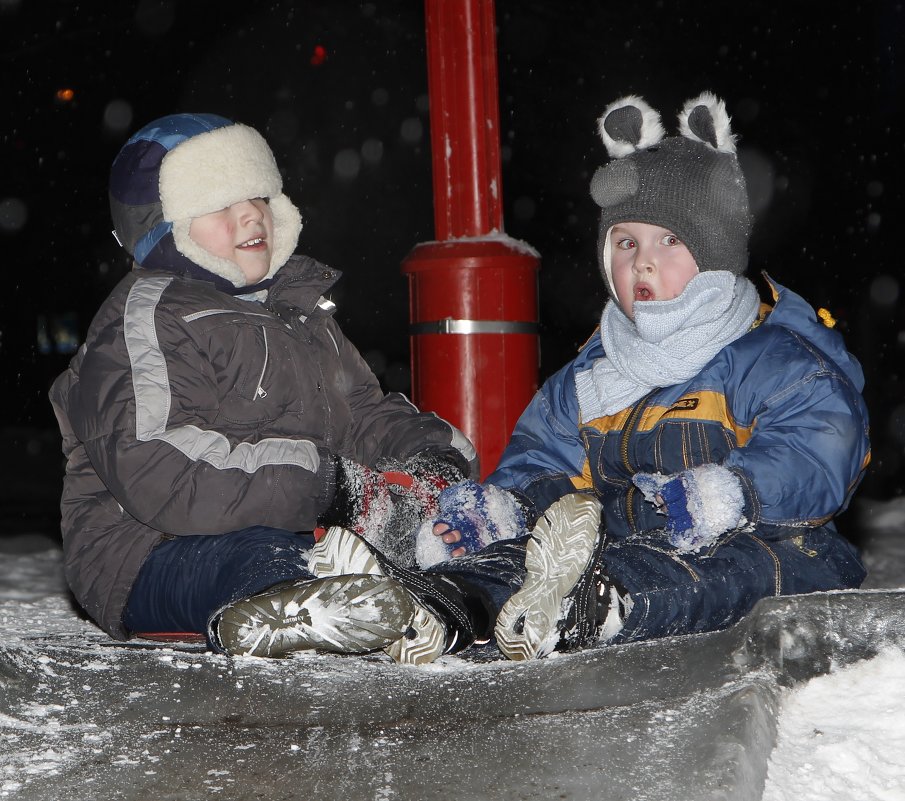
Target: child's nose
[(248, 210), (643, 263)]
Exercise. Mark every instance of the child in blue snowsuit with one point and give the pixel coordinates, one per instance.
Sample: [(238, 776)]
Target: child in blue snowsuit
[(690, 460)]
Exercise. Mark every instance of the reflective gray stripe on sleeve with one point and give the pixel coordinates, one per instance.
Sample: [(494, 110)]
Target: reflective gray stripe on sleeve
[(463, 444), (151, 385)]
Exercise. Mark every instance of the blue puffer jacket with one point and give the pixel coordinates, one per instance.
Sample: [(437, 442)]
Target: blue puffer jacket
[(780, 407)]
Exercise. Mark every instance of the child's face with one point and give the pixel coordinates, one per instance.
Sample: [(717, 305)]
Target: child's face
[(648, 263), (242, 233)]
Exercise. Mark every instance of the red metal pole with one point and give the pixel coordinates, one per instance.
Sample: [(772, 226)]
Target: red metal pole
[(464, 117), (473, 293)]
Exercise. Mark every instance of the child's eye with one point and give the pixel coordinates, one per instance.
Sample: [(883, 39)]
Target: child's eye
[(672, 240), (625, 244)]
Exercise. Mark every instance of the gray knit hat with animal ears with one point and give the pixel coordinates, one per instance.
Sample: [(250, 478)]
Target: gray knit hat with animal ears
[(691, 184)]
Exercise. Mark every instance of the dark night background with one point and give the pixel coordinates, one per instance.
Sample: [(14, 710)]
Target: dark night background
[(339, 89)]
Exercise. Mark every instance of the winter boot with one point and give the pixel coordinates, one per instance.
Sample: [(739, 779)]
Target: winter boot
[(566, 601), (442, 622), (343, 614)]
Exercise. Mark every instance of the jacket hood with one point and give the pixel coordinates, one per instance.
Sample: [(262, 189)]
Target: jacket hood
[(795, 313)]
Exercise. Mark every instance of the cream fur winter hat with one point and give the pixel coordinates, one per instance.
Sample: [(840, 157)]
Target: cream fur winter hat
[(186, 165)]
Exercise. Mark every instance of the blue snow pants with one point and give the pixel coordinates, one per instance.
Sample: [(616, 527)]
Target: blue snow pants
[(680, 593), (186, 581)]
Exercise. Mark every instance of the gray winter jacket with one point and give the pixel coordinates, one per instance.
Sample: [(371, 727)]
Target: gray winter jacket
[(190, 411)]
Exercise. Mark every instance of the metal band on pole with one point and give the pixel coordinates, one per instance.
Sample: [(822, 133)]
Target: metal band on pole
[(451, 326)]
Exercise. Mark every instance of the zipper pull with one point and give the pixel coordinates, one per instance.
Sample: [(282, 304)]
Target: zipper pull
[(261, 393)]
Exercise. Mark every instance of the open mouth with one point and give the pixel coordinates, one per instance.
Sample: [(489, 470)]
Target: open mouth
[(643, 292), (252, 244)]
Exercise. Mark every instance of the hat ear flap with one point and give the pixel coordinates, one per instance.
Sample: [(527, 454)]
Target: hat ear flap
[(704, 119), (629, 124)]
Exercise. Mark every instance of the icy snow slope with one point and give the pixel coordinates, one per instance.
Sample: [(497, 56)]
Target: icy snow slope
[(685, 718), (82, 717)]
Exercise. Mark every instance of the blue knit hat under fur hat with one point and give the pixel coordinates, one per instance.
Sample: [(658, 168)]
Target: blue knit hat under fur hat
[(691, 184), (184, 166)]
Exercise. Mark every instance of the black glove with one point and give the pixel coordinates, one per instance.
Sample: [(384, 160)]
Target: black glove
[(415, 485), (419, 480), (362, 502), (386, 506)]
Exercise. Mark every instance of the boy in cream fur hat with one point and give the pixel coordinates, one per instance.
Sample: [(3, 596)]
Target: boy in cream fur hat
[(216, 416)]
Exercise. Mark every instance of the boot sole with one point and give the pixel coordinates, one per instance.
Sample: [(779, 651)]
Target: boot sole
[(559, 551), (340, 552), (349, 614)]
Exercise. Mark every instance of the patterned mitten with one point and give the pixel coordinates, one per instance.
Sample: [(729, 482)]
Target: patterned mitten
[(362, 502), (415, 486), (418, 481), (481, 513), (700, 504)]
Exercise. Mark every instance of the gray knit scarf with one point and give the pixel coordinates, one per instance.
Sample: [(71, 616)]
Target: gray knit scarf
[(669, 341)]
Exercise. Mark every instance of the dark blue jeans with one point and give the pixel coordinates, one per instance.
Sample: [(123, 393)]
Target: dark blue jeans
[(687, 593), (186, 581), (675, 593)]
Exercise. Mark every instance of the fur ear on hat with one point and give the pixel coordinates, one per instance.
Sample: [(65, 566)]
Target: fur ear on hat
[(629, 124), (704, 119)]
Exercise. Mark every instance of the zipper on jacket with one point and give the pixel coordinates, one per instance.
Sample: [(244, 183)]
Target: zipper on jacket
[(260, 392), (630, 425), (777, 565)]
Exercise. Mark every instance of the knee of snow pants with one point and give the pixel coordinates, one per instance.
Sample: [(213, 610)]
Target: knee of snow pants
[(490, 575), (186, 581), (681, 593)]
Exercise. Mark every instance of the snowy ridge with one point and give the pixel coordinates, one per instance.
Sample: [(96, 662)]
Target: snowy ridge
[(691, 717)]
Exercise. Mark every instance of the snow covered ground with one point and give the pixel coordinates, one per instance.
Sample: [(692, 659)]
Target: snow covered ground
[(842, 736), (90, 720)]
